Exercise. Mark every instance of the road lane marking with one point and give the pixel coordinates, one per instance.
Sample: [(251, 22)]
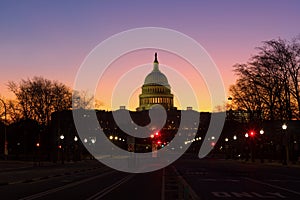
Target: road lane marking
[(47, 192), (266, 195), (110, 188), (192, 194), (273, 186)]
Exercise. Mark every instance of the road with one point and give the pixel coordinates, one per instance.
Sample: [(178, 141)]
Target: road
[(222, 179), (193, 178)]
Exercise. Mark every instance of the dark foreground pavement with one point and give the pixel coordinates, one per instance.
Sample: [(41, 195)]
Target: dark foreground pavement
[(222, 179), (185, 179)]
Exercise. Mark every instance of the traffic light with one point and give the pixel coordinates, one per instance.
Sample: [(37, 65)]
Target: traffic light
[(59, 146), (252, 133), (37, 144)]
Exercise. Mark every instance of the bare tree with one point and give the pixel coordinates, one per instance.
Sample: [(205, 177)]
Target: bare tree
[(3, 108), (39, 97), (13, 111), (269, 82), (82, 99)]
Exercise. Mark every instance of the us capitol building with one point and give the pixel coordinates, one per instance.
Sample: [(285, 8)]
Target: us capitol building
[(156, 90)]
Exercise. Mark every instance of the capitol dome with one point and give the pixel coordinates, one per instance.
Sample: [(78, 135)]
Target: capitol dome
[(156, 77), (156, 90)]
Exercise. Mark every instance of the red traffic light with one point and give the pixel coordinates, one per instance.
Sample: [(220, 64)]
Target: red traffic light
[(38, 144), (157, 133), (252, 133), (59, 146)]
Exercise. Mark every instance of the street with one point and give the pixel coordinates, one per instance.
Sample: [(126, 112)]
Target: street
[(220, 179), (208, 178)]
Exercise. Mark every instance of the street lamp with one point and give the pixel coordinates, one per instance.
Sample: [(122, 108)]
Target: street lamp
[(261, 131), (284, 126), (230, 102), (5, 139), (230, 112), (286, 144), (62, 137), (93, 140), (76, 149), (246, 135), (235, 146)]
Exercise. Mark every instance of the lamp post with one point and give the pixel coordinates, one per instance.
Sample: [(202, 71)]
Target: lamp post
[(227, 149), (38, 153), (230, 107), (93, 140), (262, 146), (75, 155), (5, 139), (236, 149), (247, 146), (285, 154), (62, 137)]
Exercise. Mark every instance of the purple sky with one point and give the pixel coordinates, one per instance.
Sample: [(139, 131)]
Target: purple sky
[(51, 38)]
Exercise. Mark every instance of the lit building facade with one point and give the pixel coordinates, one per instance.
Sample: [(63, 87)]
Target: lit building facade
[(156, 90)]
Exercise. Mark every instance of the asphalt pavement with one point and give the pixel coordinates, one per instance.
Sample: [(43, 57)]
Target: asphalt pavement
[(227, 179), (185, 179)]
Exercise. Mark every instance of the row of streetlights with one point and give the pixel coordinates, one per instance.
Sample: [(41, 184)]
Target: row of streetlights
[(111, 137), (62, 137)]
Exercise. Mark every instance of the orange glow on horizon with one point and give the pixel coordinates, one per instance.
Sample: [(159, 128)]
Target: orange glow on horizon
[(126, 64)]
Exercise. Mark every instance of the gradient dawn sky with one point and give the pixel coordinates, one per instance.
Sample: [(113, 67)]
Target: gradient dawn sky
[(52, 38)]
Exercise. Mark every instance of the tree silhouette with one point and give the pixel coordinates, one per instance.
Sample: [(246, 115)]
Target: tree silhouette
[(38, 97), (269, 82)]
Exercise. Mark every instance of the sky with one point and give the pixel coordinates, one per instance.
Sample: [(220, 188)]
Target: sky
[(52, 38)]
